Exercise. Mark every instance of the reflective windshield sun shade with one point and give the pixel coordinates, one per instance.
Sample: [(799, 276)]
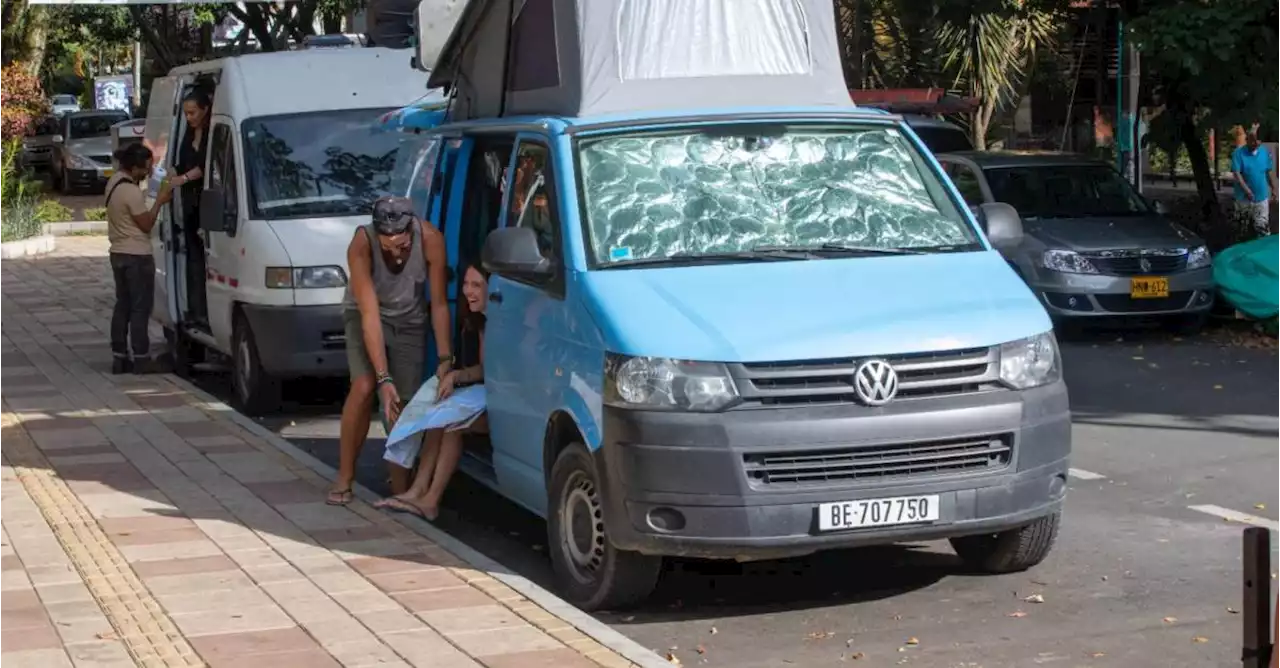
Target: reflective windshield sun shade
[(326, 163), (693, 192)]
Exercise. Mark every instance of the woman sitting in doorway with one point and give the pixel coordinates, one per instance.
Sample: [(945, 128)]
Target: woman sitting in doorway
[(442, 449)]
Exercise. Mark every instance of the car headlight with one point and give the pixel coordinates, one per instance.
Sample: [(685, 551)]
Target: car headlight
[(657, 383), (1068, 261), (1199, 258), (75, 161), (306, 277), (1030, 362)]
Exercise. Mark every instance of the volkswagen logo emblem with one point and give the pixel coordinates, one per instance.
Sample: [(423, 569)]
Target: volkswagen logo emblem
[(875, 382), (1144, 264)]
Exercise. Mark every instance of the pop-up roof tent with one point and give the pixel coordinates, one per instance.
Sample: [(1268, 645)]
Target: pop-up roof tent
[(589, 57)]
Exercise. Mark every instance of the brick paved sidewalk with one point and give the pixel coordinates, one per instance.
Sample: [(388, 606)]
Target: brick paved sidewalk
[(143, 527)]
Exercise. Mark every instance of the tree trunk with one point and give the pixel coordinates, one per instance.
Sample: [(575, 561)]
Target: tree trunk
[(332, 21), (35, 38), (1216, 229)]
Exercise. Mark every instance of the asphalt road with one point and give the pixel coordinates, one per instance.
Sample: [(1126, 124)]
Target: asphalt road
[(1168, 432)]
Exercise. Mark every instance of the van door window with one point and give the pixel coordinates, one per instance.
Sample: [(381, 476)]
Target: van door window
[(222, 172), (482, 201), (424, 171), (530, 204)]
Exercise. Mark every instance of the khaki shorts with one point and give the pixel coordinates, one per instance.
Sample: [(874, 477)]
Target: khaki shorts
[(406, 353)]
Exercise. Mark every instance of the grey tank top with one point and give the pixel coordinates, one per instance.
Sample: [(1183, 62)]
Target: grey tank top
[(402, 296)]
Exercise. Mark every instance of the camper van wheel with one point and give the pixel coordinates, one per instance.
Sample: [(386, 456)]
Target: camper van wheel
[(1009, 551), (593, 574), (254, 390)]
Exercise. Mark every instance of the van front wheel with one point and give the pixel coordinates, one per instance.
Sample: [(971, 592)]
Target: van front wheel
[(254, 391), (1009, 551), (593, 574)]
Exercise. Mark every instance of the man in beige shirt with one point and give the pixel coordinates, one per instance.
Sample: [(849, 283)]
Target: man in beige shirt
[(129, 224)]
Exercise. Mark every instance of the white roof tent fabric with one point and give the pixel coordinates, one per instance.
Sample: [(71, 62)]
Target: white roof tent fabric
[(591, 57)]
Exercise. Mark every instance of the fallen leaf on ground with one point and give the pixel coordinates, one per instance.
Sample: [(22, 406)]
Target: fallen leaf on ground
[(857, 656), (1200, 639), (673, 659), (107, 635), (1035, 598), (1233, 611), (629, 618), (897, 618), (1016, 613), (1170, 620), (701, 649), (1098, 655), (714, 630), (819, 635), (1217, 387), (1260, 506), (913, 641)]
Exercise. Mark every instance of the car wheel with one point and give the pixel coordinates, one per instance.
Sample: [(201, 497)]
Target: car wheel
[(254, 391), (592, 573), (1009, 551)]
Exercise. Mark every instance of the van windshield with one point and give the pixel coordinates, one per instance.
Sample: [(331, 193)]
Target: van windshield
[(325, 163), (665, 196)]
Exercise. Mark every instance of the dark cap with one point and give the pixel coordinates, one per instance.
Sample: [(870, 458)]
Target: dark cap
[(392, 215)]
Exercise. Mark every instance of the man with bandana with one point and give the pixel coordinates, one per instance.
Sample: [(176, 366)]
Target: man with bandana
[(394, 260)]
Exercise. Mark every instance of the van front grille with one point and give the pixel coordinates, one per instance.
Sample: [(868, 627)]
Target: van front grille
[(878, 462), (831, 381)]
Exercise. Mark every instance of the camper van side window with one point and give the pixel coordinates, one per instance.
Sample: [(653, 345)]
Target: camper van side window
[(531, 203)]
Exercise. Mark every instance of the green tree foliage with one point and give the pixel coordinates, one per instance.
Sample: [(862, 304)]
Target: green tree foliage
[(1213, 64)]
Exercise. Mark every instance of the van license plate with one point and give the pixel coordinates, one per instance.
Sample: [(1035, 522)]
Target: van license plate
[(1146, 287), (877, 512)]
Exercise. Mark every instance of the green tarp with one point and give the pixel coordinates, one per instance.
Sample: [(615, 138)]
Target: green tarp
[(1247, 276)]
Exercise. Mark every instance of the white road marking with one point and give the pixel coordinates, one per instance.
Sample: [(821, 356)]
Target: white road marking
[(1085, 475), (1235, 516)]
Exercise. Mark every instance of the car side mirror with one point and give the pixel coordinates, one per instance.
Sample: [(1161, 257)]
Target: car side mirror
[(513, 252), (57, 139), (1002, 224), (214, 216)]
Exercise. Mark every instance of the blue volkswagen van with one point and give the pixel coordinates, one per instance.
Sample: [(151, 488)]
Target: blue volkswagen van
[(730, 331)]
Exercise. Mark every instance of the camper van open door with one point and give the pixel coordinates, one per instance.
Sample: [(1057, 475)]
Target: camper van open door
[(432, 23)]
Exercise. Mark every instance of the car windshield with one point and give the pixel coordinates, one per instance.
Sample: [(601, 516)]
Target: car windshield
[(97, 125), (942, 139), (325, 163), (1065, 191), (671, 195), (64, 99)]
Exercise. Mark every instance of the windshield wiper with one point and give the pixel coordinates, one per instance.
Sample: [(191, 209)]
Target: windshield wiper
[(842, 249), (751, 255)]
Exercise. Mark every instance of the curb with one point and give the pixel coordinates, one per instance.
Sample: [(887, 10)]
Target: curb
[(74, 227), (588, 625), (41, 245)]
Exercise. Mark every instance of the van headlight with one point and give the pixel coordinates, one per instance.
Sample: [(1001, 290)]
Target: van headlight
[(658, 383), (1198, 258), (1030, 362), (306, 277)]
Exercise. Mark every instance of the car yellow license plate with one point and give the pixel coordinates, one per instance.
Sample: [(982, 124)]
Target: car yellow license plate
[(1147, 287), (108, 172)]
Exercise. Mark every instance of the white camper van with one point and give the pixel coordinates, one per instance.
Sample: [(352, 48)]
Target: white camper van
[(293, 166)]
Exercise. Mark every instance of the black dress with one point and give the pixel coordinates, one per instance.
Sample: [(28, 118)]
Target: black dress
[(191, 156)]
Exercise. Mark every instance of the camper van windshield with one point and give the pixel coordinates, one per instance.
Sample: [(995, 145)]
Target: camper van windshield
[(735, 190), (326, 163)]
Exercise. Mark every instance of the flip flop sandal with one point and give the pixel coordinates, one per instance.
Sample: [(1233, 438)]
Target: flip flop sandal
[(397, 505), (339, 497)]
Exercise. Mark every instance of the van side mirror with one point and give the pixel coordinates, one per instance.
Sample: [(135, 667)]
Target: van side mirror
[(513, 252), (1002, 224), (213, 214), (1159, 207)]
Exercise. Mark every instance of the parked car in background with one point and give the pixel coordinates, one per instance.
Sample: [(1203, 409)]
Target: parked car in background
[(1093, 247), (64, 104), (938, 135), (37, 150), (82, 150)]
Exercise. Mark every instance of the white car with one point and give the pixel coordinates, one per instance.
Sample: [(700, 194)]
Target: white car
[(64, 104)]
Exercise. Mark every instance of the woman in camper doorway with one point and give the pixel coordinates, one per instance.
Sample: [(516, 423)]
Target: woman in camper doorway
[(190, 179), (441, 449)]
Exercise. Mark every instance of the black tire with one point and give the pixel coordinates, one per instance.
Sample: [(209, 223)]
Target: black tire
[(254, 392), (1009, 551), (179, 352), (60, 182), (611, 579)]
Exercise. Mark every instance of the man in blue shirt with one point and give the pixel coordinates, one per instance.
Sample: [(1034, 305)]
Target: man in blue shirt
[(1255, 184)]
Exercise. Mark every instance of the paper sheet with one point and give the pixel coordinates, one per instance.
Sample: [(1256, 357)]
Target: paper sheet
[(422, 413)]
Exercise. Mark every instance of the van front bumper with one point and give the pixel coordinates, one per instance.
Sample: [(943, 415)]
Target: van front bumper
[(299, 341), (677, 484)]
